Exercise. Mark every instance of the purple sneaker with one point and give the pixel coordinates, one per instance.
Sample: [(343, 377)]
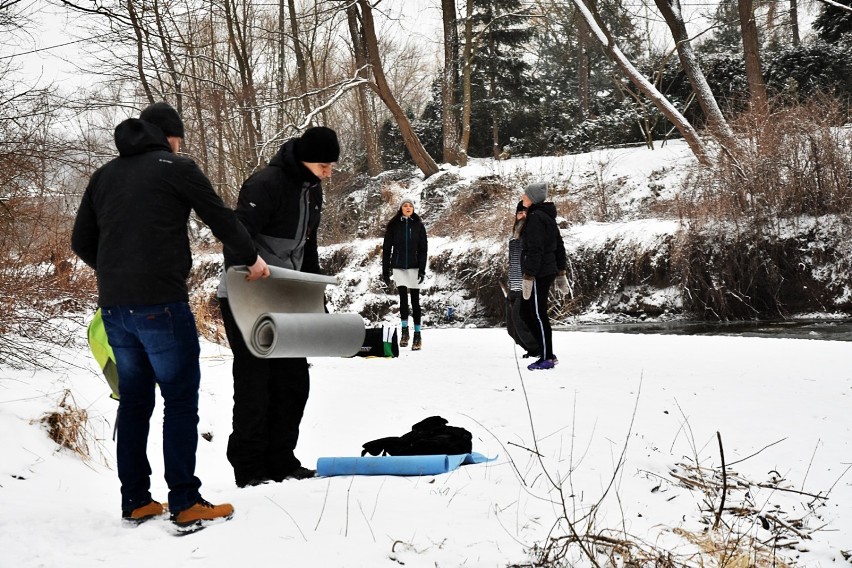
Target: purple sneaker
[(541, 364)]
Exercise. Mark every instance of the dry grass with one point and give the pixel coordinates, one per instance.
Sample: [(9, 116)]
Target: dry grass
[(794, 161), (67, 425), (478, 211)]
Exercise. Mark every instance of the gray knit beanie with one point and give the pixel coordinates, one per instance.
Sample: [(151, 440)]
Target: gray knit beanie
[(537, 192), (405, 200)]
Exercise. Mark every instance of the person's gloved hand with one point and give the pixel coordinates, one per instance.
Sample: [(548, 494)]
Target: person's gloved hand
[(527, 286), (562, 283), (420, 276), (386, 277)]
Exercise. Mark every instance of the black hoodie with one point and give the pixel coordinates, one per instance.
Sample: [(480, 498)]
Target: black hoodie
[(544, 251), (280, 206), (131, 226)]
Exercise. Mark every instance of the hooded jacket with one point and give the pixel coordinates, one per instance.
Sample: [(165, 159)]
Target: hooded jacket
[(280, 206), (131, 226), (405, 244), (543, 252)]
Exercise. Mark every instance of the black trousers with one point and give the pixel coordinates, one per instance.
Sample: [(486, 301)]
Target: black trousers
[(534, 314), (269, 400), (403, 303)]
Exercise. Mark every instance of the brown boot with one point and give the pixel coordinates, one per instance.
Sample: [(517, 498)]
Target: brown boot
[(202, 511), (145, 512), (403, 340), (416, 345)]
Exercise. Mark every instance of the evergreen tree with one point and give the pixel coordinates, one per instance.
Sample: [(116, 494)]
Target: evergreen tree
[(556, 112), (726, 36), (834, 24), (500, 74)]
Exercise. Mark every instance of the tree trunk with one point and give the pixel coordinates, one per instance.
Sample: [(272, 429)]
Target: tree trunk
[(661, 102), (584, 69), (371, 137), (280, 79), (716, 121), (495, 123), (301, 69), (449, 82), (248, 101), (467, 60), (140, 47), (794, 22), (421, 157), (754, 76)]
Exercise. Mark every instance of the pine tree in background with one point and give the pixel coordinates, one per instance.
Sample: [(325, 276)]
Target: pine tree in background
[(834, 24), (725, 37), (567, 111), (500, 75)]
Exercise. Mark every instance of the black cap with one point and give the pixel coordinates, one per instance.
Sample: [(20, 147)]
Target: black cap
[(318, 145), (163, 115), (520, 207)]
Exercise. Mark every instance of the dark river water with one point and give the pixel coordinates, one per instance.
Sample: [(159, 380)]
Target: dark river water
[(827, 330)]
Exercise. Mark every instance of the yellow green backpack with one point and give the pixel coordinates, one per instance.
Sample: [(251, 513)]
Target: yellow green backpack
[(99, 344)]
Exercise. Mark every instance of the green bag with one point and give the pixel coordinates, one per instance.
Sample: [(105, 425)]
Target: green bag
[(99, 344)]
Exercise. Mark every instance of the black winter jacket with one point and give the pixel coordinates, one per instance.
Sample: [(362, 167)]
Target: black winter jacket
[(131, 226), (281, 206), (544, 251), (405, 244)]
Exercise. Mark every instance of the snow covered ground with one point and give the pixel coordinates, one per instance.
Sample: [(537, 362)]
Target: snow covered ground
[(620, 425)]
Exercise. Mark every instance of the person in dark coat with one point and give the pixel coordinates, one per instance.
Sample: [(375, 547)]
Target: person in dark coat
[(404, 251), (280, 205), (131, 228), (515, 324), (542, 260)]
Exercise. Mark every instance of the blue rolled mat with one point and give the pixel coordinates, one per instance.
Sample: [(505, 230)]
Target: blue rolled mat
[(396, 465)]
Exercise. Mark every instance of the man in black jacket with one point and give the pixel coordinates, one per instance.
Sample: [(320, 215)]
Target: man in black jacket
[(542, 260), (280, 206), (131, 228)]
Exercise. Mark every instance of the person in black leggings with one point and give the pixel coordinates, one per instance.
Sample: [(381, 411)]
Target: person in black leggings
[(404, 250)]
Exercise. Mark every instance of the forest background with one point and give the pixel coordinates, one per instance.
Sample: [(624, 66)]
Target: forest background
[(759, 92)]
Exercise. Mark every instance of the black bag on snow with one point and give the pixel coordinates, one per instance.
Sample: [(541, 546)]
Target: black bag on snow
[(380, 342), (428, 437)]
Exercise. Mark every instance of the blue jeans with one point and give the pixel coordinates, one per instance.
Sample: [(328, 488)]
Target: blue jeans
[(156, 345)]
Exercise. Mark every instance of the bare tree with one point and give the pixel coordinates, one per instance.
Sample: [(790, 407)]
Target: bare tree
[(646, 87), (584, 43), (449, 83), (794, 22), (301, 69), (674, 19), (467, 62), (368, 130), (415, 148), (751, 49)]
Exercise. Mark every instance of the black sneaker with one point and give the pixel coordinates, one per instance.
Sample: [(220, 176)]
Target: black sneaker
[(301, 473), (252, 482)]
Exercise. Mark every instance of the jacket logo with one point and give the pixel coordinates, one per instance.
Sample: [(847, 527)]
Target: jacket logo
[(252, 204), (166, 161)]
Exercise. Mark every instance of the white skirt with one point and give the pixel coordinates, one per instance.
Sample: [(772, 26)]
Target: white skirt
[(406, 277)]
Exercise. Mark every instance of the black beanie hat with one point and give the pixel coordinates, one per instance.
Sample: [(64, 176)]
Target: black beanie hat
[(163, 115), (520, 207), (318, 145)]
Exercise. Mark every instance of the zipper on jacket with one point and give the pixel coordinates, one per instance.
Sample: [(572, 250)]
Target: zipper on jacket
[(407, 226)]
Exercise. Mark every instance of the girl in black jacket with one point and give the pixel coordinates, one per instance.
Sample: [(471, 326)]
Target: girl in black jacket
[(542, 262), (404, 251)]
